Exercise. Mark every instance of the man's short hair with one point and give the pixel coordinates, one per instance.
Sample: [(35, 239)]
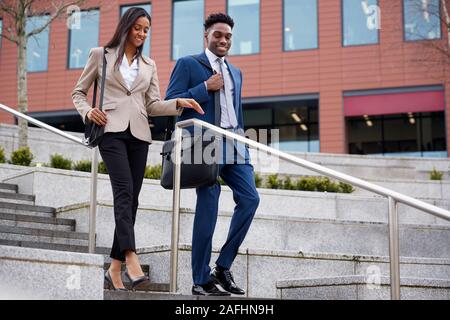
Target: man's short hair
[(218, 18)]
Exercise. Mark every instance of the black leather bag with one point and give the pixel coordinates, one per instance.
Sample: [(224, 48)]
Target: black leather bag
[(194, 174), (206, 171), (93, 133)]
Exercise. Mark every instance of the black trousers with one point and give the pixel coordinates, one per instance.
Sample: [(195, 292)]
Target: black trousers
[(125, 158)]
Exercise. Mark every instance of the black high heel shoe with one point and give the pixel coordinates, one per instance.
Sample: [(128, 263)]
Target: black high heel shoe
[(138, 283), (110, 283)]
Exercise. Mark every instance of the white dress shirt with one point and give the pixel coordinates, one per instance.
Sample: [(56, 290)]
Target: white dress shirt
[(224, 116), (129, 72)]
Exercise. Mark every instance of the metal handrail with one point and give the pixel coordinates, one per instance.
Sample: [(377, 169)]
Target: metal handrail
[(94, 168), (393, 199)]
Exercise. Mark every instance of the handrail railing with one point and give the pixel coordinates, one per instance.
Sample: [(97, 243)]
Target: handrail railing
[(393, 199), (94, 168)]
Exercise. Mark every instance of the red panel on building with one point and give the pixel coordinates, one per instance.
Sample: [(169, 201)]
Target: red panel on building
[(392, 103)]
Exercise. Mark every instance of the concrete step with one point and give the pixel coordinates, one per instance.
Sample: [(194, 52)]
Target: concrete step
[(286, 233), (26, 221), (159, 287), (42, 235), (359, 287), (27, 209), (429, 189), (16, 198), (130, 295), (10, 188), (52, 246), (257, 271)]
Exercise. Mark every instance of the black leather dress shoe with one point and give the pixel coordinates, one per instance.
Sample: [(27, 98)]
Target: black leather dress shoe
[(208, 289), (225, 279)]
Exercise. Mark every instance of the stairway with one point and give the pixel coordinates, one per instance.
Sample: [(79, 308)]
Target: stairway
[(301, 245)]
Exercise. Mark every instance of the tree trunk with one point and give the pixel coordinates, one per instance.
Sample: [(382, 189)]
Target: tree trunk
[(22, 96)]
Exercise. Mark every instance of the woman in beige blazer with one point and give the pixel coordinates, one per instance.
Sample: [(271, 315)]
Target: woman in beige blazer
[(131, 95)]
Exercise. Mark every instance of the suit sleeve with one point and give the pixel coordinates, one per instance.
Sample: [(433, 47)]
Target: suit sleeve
[(154, 105), (88, 76), (179, 85)]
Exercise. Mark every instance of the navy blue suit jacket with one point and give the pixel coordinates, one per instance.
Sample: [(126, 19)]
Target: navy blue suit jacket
[(187, 81)]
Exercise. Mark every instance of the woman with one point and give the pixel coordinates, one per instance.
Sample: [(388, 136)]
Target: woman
[(131, 94)]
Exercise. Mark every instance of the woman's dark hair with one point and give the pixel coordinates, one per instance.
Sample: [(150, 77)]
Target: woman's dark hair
[(216, 18), (120, 36)]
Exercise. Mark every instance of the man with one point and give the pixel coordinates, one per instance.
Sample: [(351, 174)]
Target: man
[(200, 77)]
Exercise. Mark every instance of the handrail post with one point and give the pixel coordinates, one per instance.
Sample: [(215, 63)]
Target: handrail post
[(394, 251), (175, 212), (93, 200)]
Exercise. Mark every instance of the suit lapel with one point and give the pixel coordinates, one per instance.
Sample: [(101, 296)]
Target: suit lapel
[(111, 58)]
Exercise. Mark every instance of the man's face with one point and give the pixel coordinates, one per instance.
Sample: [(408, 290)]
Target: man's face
[(218, 39)]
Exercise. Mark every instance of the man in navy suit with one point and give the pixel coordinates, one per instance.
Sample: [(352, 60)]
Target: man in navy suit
[(200, 77)]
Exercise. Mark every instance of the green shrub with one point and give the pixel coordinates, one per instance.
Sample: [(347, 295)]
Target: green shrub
[(153, 172), (306, 184), (22, 157), (258, 180), (102, 168), (2, 155), (82, 165), (345, 187), (288, 184), (273, 182), (59, 162), (436, 175)]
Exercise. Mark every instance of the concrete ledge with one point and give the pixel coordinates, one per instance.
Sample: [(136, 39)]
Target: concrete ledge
[(257, 271), (359, 287), (27, 273)]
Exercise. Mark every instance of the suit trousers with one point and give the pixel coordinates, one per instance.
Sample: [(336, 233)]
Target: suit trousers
[(240, 178), (125, 158)]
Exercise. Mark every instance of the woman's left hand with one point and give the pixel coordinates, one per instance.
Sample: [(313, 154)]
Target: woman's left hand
[(190, 103)]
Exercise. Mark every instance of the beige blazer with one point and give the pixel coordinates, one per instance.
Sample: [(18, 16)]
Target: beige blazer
[(123, 106)]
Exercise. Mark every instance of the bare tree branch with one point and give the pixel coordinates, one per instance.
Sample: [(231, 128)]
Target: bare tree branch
[(59, 10)]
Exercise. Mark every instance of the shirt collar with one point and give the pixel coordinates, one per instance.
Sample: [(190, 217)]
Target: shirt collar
[(134, 64), (212, 57)]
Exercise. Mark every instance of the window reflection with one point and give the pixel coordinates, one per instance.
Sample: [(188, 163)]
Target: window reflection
[(187, 28), (408, 134), (300, 24), (84, 38), (246, 15), (361, 21), (37, 45), (422, 19)]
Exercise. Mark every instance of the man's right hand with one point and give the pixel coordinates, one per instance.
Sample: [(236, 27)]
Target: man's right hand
[(215, 82), (97, 116)]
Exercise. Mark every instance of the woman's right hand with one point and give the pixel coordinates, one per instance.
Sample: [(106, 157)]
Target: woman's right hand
[(97, 116)]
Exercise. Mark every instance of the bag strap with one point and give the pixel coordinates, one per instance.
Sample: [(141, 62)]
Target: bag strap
[(217, 108), (94, 99)]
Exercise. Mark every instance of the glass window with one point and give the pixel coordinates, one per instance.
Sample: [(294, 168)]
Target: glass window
[(297, 122), (37, 45), (187, 30), (361, 22), (245, 14), (422, 19), (83, 37), (1, 29), (300, 24), (147, 7), (408, 134)]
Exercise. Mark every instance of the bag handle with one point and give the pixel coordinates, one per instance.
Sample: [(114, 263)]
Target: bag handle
[(217, 108), (102, 92)]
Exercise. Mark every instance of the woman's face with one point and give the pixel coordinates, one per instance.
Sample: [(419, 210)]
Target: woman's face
[(138, 32)]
